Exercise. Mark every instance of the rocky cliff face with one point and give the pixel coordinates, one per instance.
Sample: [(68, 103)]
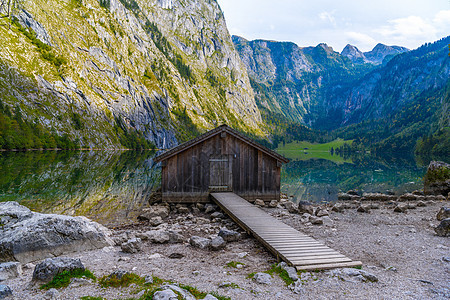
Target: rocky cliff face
[(326, 90), (158, 66)]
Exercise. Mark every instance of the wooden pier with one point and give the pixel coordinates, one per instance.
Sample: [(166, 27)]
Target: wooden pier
[(286, 243)]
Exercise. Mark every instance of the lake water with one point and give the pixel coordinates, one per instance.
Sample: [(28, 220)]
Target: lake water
[(111, 186)]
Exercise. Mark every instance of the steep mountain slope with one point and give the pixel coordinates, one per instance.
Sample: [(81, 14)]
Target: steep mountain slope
[(289, 80), (164, 68), (326, 90), (393, 87)]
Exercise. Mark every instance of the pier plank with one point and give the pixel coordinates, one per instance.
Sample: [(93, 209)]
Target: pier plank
[(294, 247)]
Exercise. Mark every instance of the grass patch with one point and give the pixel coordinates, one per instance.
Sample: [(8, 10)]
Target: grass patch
[(234, 264), (251, 275), (282, 273), (124, 281), (305, 150), (231, 285), (63, 279)]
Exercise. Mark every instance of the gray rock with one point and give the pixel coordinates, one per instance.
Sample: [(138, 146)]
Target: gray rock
[(260, 202), (421, 203), (184, 293), (209, 297), (131, 246), (322, 212), (165, 295), (217, 243), (217, 214), (158, 236), (364, 208), (155, 221), (209, 208), (411, 206), (296, 287), (291, 207), (315, 220), (10, 270), (176, 255), (117, 274), (401, 208), (407, 197), (229, 235), (273, 203), (305, 207), (28, 236), (443, 229), (327, 221), (200, 206), (351, 273), (183, 210), (51, 294), (443, 213), (263, 278), (148, 279), (338, 207), (5, 292), (292, 273), (47, 269), (374, 206), (175, 237), (344, 196), (199, 242), (155, 211), (352, 193)]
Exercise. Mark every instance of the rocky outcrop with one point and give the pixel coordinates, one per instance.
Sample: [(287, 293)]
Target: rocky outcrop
[(50, 267), (29, 236), (381, 51), (437, 179), (354, 54)]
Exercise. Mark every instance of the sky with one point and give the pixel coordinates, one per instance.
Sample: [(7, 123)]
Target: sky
[(362, 23)]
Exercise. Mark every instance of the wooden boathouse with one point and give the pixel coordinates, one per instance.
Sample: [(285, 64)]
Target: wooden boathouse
[(221, 160), (230, 169)]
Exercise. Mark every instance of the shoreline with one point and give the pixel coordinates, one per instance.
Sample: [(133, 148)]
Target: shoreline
[(392, 246)]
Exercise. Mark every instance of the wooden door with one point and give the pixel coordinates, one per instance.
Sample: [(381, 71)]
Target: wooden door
[(220, 173)]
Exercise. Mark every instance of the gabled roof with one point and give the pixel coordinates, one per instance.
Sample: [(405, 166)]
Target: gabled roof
[(213, 132)]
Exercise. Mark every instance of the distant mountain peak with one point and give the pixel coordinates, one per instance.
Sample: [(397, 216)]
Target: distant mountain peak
[(381, 51), (353, 53)]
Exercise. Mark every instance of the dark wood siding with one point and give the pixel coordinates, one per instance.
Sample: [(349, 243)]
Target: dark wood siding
[(254, 174)]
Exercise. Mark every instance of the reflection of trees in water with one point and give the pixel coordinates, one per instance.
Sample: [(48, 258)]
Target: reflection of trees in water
[(104, 185), (318, 179)]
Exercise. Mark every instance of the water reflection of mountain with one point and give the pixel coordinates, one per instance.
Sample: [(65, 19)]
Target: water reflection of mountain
[(320, 180), (107, 186)]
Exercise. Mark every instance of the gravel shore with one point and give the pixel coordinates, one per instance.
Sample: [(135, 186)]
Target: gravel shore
[(400, 249)]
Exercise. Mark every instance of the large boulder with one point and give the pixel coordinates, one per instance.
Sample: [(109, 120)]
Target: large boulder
[(50, 267), (29, 236), (437, 179), (200, 242)]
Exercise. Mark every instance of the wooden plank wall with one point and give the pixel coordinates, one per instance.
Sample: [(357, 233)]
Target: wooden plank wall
[(254, 173)]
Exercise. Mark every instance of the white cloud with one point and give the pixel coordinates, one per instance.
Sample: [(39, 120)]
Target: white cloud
[(442, 18), (407, 28), (328, 17), (364, 41)]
